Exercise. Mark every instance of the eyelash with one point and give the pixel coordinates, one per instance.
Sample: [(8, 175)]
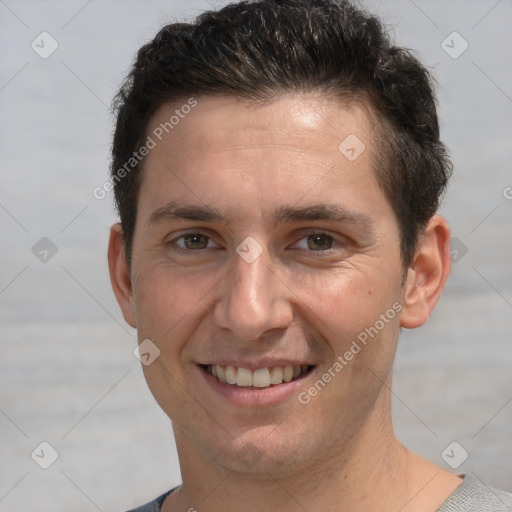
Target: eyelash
[(173, 242)]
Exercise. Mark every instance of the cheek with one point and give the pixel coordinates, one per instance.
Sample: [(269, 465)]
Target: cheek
[(169, 306), (169, 301), (344, 302), (355, 313)]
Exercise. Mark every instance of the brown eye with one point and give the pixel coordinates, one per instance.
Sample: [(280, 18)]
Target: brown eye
[(193, 241), (319, 242)]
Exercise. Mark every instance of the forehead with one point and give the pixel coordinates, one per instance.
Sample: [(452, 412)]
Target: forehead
[(239, 153), (294, 121)]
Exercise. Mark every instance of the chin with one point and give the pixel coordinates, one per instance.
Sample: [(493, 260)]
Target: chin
[(260, 451)]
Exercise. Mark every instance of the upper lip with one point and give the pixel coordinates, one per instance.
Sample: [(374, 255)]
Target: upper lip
[(256, 364)]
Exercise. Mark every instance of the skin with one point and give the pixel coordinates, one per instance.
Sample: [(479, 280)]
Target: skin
[(304, 299)]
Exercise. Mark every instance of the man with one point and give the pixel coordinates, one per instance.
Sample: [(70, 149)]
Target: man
[(277, 169)]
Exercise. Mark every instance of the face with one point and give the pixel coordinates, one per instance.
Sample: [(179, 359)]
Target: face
[(263, 255)]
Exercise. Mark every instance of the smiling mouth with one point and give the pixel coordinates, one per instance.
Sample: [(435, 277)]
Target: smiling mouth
[(260, 378)]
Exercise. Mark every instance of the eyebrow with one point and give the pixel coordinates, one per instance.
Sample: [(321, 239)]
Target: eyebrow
[(313, 212), (329, 212), (174, 210)]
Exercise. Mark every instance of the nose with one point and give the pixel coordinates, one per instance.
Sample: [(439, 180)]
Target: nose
[(254, 299)]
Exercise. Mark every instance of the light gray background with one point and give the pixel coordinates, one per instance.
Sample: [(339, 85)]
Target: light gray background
[(68, 375)]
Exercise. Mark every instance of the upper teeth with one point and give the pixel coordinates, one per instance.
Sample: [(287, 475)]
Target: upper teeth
[(260, 378)]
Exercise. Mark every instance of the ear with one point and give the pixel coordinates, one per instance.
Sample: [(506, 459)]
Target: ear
[(120, 277), (427, 274)]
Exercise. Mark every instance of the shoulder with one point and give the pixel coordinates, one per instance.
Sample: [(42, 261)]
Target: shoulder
[(474, 496), (153, 506)]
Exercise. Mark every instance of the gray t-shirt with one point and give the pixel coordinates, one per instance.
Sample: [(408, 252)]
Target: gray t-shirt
[(471, 496)]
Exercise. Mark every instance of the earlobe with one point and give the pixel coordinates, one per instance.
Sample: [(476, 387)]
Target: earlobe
[(120, 277), (427, 274)]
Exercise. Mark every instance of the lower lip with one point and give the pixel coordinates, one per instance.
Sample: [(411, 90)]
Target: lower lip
[(254, 397)]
